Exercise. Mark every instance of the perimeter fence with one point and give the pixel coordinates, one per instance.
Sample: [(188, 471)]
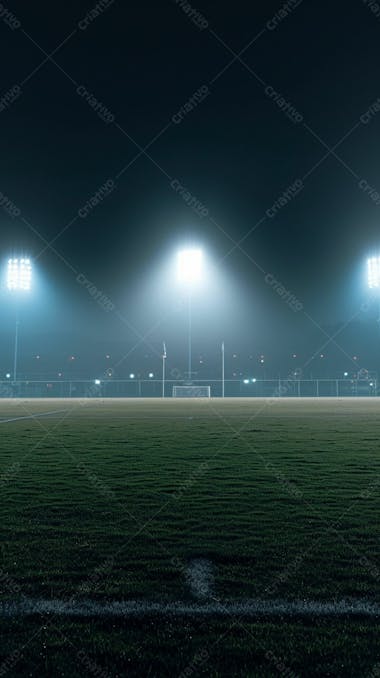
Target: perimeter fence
[(153, 388)]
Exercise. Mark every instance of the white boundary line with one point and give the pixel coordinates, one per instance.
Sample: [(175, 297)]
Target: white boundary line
[(32, 416), (139, 608)]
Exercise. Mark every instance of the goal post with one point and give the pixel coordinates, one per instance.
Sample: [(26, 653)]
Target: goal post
[(191, 392)]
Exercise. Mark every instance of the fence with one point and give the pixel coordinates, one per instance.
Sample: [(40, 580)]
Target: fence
[(149, 388)]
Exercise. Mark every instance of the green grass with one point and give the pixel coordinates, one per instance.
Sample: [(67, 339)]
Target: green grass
[(114, 498)]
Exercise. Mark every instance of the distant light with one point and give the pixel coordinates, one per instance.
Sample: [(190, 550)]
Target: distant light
[(19, 275), (262, 361), (246, 381), (345, 374), (373, 271), (355, 357), (38, 357), (60, 374), (321, 356), (294, 355), (150, 375), (189, 266), (371, 383), (8, 376), (108, 357), (254, 381), (97, 382), (131, 376)]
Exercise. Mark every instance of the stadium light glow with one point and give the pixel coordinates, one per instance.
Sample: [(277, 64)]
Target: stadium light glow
[(150, 375), (373, 271), (189, 266), (19, 275), (131, 376), (18, 279), (189, 273), (97, 382)]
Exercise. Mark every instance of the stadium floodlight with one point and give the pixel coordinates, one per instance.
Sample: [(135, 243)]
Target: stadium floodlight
[(373, 279), (7, 376), (131, 376), (19, 276), (150, 375), (19, 279), (246, 381), (189, 266), (97, 382), (373, 271), (189, 273)]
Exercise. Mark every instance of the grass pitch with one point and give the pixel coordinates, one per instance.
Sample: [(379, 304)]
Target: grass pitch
[(110, 500)]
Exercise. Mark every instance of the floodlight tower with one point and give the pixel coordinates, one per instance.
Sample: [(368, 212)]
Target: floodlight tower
[(164, 356), (373, 276), (19, 280), (189, 273)]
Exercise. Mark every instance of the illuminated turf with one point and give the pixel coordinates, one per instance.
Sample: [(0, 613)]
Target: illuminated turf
[(114, 500)]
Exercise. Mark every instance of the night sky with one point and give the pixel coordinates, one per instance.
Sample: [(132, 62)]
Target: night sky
[(251, 131)]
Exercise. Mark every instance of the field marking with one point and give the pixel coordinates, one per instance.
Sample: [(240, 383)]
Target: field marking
[(138, 608), (32, 416), (109, 416)]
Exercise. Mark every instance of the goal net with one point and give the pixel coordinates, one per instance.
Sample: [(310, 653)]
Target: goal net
[(191, 392)]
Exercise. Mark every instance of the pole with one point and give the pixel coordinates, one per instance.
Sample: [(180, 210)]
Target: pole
[(189, 336), (378, 301), (223, 369), (16, 352), (163, 369)]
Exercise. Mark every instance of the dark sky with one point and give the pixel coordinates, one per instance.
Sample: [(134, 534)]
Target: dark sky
[(236, 152)]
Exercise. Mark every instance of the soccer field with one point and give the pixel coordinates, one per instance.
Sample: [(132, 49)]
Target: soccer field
[(190, 537)]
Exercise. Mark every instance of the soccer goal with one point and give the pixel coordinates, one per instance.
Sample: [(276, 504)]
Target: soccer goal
[(191, 392)]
